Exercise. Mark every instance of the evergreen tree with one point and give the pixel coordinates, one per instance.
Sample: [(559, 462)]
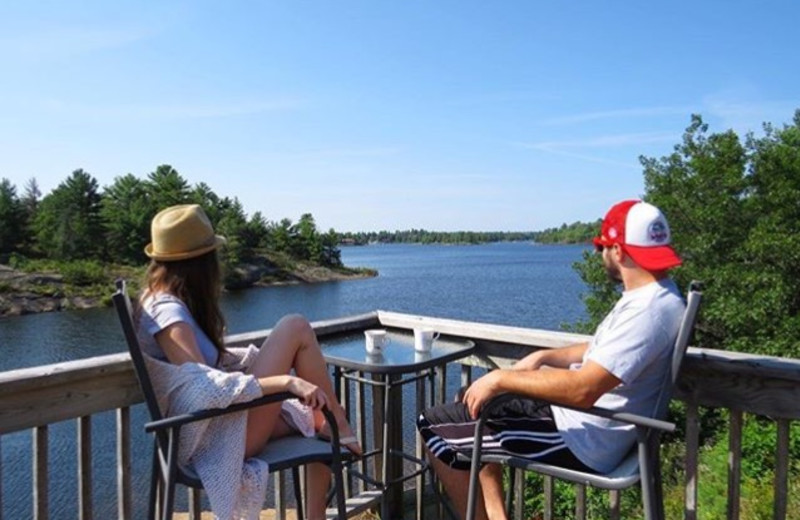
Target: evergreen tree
[(12, 218), (68, 224), (166, 187), (127, 211)]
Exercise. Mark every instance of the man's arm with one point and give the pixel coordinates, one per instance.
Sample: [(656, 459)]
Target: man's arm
[(561, 357), (580, 388)]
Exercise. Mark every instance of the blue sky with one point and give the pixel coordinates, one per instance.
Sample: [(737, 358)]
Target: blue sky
[(444, 115)]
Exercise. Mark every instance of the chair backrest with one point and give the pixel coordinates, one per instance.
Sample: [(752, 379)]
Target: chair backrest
[(693, 298), (125, 312)]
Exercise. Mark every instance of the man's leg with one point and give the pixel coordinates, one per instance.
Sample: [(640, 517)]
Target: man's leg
[(489, 500), (456, 485), (491, 481)]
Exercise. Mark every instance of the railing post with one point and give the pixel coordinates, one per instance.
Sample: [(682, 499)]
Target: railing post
[(1, 477), (85, 467), (361, 428), (420, 479), (580, 502), (548, 497), (734, 464), (40, 480), (613, 504), (519, 492), (781, 470), (692, 449), (124, 463)]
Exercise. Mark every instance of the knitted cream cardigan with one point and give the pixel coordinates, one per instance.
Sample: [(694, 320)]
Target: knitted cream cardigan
[(214, 448)]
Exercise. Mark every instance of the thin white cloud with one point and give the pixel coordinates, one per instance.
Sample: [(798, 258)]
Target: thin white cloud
[(592, 158), (65, 42), (140, 112), (355, 152), (604, 141), (622, 113), (743, 116)]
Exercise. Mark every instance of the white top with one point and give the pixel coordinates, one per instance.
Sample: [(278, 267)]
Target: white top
[(161, 310), (635, 343)]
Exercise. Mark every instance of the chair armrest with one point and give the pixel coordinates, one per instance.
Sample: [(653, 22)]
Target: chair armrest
[(630, 418), (198, 415)]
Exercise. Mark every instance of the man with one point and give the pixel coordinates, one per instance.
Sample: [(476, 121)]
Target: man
[(622, 368)]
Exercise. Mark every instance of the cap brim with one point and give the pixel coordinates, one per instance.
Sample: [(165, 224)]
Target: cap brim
[(654, 258)]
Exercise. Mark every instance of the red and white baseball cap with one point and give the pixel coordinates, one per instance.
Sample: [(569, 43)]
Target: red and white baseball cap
[(642, 231)]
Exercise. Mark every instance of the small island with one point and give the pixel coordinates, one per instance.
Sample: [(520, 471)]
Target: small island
[(64, 250)]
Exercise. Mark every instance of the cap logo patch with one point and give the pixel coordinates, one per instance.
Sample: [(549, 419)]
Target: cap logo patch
[(612, 233), (658, 232)]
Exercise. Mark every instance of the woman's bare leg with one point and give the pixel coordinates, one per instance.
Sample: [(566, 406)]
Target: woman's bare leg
[(291, 345), (318, 481)]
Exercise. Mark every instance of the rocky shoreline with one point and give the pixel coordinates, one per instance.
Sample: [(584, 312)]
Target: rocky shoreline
[(31, 293)]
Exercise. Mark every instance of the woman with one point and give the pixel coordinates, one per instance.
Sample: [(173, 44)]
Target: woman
[(181, 322)]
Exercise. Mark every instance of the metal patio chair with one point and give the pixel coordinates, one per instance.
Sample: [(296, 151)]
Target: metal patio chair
[(642, 464), (285, 453)]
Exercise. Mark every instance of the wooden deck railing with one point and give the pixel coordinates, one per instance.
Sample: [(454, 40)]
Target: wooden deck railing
[(36, 398)]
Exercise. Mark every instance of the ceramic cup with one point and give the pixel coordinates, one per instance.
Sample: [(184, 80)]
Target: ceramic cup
[(423, 339), (376, 339)]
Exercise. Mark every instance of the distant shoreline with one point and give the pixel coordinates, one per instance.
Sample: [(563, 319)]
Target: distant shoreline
[(23, 293)]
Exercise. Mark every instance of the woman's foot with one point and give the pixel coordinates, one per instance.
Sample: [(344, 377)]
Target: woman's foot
[(346, 437)]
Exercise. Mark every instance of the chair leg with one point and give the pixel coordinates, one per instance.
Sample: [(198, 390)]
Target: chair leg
[(298, 494), (649, 471), (155, 496)]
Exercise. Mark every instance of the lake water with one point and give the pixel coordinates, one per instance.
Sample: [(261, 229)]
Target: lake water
[(517, 284)]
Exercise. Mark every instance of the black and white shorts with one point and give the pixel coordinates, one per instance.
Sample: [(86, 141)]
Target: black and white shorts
[(520, 427)]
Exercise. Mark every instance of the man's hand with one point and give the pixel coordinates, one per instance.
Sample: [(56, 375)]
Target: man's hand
[(481, 391)]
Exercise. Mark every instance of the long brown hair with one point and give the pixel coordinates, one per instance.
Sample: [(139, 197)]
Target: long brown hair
[(197, 282)]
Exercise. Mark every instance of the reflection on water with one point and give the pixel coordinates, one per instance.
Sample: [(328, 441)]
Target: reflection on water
[(511, 284)]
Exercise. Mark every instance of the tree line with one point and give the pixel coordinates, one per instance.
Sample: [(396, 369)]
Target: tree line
[(80, 221), (575, 233), (422, 236)]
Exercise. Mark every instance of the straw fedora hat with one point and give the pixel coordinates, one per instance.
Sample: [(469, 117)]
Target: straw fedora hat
[(181, 232)]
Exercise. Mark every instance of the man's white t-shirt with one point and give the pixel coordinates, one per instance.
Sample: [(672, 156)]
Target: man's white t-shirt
[(634, 343)]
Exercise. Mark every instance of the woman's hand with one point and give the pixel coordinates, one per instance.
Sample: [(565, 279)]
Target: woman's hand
[(308, 393)]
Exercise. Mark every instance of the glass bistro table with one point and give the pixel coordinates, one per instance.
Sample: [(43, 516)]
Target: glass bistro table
[(386, 373)]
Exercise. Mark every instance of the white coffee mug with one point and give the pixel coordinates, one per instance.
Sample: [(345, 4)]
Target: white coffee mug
[(375, 341), (423, 339)]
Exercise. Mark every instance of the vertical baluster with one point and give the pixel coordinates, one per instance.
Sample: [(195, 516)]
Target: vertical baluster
[(302, 475), (692, 450), (548, 497), (337, 384), (1, 478), (345, 400), (194, 504), (466, 375), (580, 502), (361, 426), (85, 468), (420, 479), (441, 385), (519, 493), (280, 496), (124, 463), (781, 470), (613, 504), (734, 464), (40, 480), (441, 391)]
